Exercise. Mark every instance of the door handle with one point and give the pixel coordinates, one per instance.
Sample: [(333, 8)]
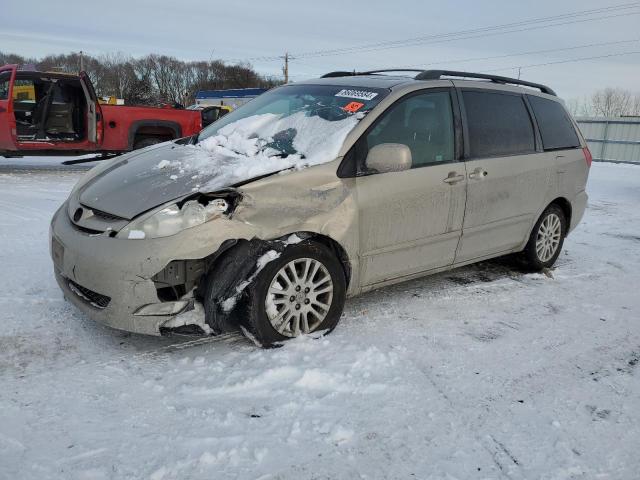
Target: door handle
[(453, 178), (478, 173)]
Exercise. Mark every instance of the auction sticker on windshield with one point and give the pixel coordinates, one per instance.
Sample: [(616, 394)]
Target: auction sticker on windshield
[(359, 94), (353, 107)]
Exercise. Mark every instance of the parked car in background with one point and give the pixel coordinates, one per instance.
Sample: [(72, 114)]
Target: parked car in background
[(58, 113), (317, 191)]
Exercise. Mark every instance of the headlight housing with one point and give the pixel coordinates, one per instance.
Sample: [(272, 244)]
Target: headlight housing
[(175, 218)]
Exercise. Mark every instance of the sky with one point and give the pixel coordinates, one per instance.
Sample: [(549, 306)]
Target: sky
[(260, 32)]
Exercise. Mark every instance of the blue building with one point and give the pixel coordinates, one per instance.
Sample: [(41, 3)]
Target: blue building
[(232, 97)]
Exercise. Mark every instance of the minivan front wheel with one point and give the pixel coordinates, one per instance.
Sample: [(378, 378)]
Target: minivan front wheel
[(546, 240), (300, 292)]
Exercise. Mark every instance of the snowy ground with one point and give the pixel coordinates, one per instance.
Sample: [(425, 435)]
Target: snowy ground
[(483, 372)]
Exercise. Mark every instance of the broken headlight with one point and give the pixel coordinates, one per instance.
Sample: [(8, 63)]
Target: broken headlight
[(175, 218)]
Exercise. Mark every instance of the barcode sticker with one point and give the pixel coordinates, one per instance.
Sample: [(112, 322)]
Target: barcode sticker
[(359, 94)]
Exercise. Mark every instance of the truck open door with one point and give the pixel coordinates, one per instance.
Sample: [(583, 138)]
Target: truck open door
[(7, 119), (94, 113)]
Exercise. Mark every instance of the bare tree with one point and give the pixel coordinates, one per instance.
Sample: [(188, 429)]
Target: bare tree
[(636, 105), (611, 102), (151, 79)]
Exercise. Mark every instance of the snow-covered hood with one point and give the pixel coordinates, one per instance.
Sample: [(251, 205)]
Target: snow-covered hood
[(135, 184), (243, 150)]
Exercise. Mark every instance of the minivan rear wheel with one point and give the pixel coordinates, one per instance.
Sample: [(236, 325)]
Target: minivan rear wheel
[(300, 292), (546, 240)]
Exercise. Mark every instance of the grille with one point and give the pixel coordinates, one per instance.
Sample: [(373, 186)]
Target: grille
[(94, 298), (90, 231), (106, 216)]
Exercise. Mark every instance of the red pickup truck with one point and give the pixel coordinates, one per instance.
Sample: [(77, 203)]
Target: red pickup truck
[(45, 113)]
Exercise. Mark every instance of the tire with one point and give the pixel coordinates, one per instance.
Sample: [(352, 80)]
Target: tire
[(546, 239), (297, 309), (143, 142)]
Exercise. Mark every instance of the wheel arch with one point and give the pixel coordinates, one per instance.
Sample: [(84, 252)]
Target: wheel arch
[(336, 248), (159, 128), (235, 263), (564, 205)]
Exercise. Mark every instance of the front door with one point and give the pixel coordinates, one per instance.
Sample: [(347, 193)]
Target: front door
[(410, 221), (508, 177), (94, 114), (7, 120)]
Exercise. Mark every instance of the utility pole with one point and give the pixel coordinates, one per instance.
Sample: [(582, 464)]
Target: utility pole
[(286, 67), (519, 68), (81, 61)]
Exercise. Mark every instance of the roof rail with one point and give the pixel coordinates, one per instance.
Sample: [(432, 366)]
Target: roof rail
[(437, 74), (370, 72), (339, 74)]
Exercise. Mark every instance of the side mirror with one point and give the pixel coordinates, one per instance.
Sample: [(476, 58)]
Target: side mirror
[(389, 157)]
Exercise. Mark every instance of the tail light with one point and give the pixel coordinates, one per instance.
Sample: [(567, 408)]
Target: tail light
[(587, 156)]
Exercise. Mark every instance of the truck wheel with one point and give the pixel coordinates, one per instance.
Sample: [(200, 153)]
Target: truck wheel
[(142, 142), (300, 292)]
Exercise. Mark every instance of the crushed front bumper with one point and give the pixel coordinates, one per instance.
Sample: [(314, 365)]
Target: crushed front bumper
[(110, 279)]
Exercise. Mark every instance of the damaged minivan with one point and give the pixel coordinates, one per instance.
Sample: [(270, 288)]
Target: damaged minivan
[(317, 191)]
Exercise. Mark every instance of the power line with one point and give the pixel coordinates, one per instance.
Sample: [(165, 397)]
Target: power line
[(531, 24), (530, 52), (557, 62), (489, 34), (570, 60)]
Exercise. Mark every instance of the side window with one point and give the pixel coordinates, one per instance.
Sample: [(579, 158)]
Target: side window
[(556, 129), (499, 124), (424, 123), (4, 85)]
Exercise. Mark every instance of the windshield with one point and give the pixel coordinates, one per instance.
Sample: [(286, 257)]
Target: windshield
[(330, 103), (294, 126)]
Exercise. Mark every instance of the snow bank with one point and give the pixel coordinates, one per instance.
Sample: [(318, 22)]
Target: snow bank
[(253, 146)]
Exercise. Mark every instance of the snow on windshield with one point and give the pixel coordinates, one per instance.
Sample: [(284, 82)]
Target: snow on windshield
[(263, 144)]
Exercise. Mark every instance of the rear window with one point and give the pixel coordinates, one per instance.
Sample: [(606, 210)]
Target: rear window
[(499, 124), (556, 128)]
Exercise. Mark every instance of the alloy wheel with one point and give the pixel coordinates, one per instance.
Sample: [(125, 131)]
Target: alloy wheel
[(548, 237), (299, 297)]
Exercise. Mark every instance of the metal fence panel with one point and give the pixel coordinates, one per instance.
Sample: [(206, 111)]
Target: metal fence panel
[(612, 139)]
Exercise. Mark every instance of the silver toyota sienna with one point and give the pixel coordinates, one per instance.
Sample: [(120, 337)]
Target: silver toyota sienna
[(317, 191)]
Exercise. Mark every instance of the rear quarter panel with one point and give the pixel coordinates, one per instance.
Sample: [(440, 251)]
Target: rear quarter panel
[(118, 121)]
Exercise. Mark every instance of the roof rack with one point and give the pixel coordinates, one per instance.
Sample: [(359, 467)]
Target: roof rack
[(370, 72), (437, 74)]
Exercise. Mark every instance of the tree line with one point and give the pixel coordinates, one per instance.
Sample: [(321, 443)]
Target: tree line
[(155, 79), (608, 102), (151, 79)]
